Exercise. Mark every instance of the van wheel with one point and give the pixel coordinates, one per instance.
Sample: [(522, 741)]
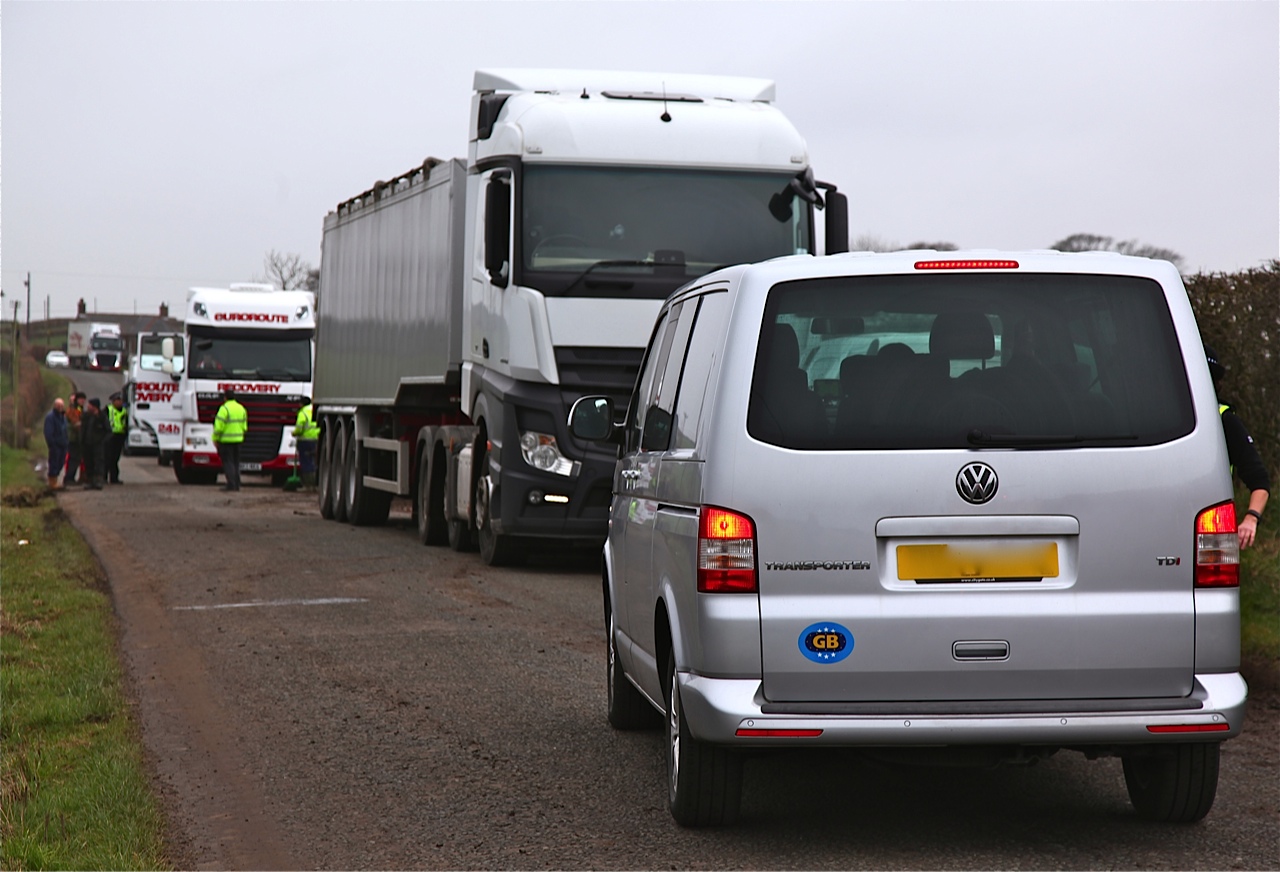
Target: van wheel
[(429, 502), (495, 549), (628, 709), (704, 782), (1174, 783)]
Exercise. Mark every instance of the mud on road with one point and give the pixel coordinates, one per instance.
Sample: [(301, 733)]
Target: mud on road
[(317, 696)]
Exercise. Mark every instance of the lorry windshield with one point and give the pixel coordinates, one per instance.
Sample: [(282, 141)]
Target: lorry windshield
[(106, 343), (151, 353), (968, 361), (637, 232), (270, 358)]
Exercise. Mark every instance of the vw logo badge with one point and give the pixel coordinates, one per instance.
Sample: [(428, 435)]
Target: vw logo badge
[(977, 483)]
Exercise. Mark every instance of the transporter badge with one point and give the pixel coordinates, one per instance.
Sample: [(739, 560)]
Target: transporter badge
[(826, 642)]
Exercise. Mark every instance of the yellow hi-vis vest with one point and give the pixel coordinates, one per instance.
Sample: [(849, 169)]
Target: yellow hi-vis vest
[(306, 428), (231, 423), (118, 417), (1222, 410)]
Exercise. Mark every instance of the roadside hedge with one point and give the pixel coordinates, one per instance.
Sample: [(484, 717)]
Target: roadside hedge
[(1239, 315), (31, 392)]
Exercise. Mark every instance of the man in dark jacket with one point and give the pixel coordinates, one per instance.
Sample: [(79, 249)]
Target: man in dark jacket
[(55, 437), (94, 431), (1246, 463)]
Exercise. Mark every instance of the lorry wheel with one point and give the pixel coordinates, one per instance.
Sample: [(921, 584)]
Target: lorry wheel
[(337, 471), (495, 549), (365, 507), (1175, 783), (429, 502), (324, 488), (704, 782), (180, 473)]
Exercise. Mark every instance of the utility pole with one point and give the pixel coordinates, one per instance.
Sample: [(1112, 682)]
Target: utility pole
[(17, 384), (28, 284)]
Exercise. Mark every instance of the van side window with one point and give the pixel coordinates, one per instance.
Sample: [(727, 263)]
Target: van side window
[(661, 414), (655, 359), (703, 351)]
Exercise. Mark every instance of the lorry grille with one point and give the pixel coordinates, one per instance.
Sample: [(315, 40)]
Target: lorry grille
[(589, 370), (268, 415)]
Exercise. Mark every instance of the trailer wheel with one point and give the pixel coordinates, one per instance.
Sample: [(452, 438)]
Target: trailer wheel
[(366, 507), (429, 501), (337, 470), (324, 485)]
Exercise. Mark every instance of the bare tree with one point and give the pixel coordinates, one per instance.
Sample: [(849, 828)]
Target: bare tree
[(1093, 242), (871, 242), (288, 272)]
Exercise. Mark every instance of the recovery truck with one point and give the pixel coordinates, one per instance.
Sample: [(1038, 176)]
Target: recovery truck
[(151, 393), (468, 303), (95, 345), (259, 342)]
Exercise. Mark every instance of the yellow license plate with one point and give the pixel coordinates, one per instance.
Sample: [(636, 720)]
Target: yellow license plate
[(976, 563)]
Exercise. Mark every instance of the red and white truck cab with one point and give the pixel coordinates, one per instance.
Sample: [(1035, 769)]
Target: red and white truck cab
[(259, 342)]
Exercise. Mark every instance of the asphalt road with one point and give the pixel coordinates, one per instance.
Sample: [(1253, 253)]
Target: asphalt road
[(318, 696)]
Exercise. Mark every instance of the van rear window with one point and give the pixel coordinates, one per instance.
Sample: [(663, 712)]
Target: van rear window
[(968, 360)]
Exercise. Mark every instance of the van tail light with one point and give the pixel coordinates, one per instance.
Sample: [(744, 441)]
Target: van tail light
[(1217, 547), (726, 552)]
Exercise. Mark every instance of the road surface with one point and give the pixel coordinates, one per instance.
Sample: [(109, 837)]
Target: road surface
[(318, 696)]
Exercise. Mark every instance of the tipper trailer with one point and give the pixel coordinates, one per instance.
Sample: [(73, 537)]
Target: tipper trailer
[(467, 304)]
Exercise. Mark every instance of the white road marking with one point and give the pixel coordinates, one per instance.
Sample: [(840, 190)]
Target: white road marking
[(325, 601)]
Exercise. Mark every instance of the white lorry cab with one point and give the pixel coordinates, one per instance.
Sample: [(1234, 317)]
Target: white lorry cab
[(151, 393), (259, 342), (95, 345), (468, 302)]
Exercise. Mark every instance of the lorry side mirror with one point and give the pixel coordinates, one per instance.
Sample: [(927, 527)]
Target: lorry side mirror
[(836, 221), (167, 366), (166, 349), (497, 228)]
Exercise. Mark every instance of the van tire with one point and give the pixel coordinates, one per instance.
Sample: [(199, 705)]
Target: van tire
[(704, 782), (628, 709), (1174, 783)]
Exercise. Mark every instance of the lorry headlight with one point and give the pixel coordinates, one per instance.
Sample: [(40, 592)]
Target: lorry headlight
[(540, 451)]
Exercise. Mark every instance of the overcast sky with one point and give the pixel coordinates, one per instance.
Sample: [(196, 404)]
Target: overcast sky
[(147, 147)]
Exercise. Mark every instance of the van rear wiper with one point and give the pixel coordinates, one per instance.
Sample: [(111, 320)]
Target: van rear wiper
[(982, 438)]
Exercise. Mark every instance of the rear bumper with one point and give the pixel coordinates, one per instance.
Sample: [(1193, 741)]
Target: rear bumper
[(717, 708)]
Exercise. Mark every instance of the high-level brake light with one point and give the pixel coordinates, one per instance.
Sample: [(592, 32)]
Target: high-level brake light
[(726, 552), (966, 264), (1217, 547)]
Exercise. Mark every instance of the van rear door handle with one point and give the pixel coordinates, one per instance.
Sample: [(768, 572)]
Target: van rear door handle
[(984, 650)]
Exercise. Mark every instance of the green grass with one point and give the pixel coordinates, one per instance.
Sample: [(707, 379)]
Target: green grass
[(74, 792), (1260, 593)]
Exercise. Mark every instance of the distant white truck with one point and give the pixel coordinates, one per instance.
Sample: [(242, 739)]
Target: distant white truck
[(95, 345), (155, 409)]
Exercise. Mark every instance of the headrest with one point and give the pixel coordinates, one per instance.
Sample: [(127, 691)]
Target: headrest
[(962, 336), (786, 348)]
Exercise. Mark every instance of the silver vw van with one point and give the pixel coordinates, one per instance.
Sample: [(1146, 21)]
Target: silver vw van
[(972, 500)]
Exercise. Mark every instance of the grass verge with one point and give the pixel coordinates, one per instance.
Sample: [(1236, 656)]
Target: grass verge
[(74, 792), (1260, 604)]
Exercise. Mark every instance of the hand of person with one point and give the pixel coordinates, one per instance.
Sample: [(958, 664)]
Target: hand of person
[(1247, 530)]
